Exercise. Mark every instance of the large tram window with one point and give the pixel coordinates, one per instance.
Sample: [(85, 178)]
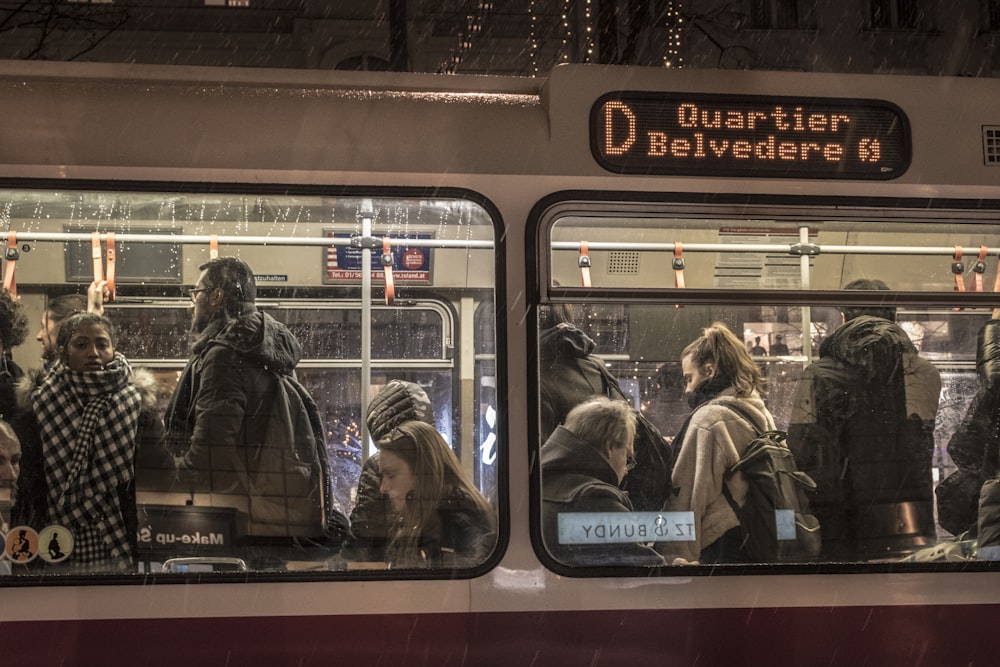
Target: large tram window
[(435, 330), (865, 356)]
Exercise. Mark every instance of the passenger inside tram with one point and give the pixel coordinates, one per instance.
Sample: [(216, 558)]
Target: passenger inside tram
[(242, 428), (373, 516), (975, 446), (86, 410), (584, 463), (10, 469), (862, 427), (721, 382), (56, 310), (442, 519), (570, 373)]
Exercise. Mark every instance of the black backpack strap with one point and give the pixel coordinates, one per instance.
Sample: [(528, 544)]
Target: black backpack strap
[(739, 410)]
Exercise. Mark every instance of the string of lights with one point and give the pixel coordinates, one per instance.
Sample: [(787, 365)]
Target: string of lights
[(532, 39), (474, 26), (674, 23), (567, 31), (588, 22)]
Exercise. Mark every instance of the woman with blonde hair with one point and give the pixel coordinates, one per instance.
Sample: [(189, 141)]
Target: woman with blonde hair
[(443, 520), (721, 382)]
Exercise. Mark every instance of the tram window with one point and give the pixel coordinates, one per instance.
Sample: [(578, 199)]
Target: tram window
[(353, 344), (412, 332), (164, 336), (870, 387)]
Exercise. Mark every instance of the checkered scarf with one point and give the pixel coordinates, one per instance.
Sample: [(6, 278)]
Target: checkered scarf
[(88, 423)]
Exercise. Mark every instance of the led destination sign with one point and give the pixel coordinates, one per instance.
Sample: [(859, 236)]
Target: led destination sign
[(749, 136)]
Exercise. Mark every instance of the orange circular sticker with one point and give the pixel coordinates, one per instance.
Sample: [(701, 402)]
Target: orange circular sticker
[(21, 544)]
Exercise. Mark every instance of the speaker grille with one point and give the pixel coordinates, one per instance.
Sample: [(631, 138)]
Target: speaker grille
[(991, 144), (623, 261)]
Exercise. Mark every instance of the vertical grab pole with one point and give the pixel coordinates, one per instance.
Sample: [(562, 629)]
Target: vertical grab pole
[(805, 278), (367, 213)]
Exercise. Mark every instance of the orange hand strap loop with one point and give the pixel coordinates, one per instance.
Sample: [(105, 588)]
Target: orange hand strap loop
[(111, 265), (584, 263), (996, 282), (958, 269), (979, 270), (390, 287), (9, 279), (213, 246), (678, 264)]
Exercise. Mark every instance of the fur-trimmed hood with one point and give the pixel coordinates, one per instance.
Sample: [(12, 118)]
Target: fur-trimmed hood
[(141, 379)]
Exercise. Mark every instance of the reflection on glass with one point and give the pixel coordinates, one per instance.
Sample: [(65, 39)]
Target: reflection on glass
[(192, 528), (870, 412)]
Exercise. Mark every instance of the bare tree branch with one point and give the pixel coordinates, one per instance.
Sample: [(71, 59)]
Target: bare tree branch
[(44, 20)]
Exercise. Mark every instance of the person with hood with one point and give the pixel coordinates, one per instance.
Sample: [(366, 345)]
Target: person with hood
[(975, 448), (584, 463), (862, 427), (720, 379), (569, 374), (397, 402), (87, 410), (224, 419)]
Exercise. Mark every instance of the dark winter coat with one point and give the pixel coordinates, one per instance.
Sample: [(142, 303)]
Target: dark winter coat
[(988, 547), (862, 428), (576, 478), (225, 422), (569, 374), (975, 446), (462, 536), (372, 518)]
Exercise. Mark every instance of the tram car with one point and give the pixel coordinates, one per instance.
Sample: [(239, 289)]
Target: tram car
[(420, 228)]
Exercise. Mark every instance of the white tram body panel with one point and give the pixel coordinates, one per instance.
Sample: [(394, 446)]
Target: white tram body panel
[(525, 152)]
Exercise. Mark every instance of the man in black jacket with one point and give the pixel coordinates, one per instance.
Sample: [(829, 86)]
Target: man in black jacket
[(862, 428), (239, 425), (584, 463)]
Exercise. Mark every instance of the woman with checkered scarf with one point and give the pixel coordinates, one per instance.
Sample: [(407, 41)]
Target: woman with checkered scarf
[(88, 409)]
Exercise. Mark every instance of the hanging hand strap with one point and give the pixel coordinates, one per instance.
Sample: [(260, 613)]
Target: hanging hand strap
[(110, 273), (996, 281), (584, 263), (390, 287), (95, 254), (213, 246), (979, 270), (9, 275), (958, 269), (678, 265)]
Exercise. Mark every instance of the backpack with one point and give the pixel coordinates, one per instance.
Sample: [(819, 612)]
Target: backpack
[(775, 518), (649, 484), (290, 492)]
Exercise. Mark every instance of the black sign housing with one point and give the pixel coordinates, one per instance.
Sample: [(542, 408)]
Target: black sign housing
[(749, 136)]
